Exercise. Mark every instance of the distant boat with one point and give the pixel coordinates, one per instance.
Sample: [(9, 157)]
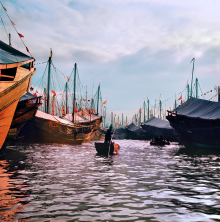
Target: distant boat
[(107, 148), (197, 123), (157, 127), (16, 70)]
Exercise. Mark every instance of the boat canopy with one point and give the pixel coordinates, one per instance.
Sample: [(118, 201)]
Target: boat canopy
[(133, 127), (27, 96), (158, 123), (10, 55), (199, 108)]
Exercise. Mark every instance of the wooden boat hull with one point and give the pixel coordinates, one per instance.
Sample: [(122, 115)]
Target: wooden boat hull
[(25, 111), (106, 149), (6, 116), (8, 102), (196, 132), (41, 130)]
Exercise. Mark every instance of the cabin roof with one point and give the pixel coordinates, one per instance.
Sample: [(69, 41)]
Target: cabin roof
[(10, 55), (159, 123), (199, 108)]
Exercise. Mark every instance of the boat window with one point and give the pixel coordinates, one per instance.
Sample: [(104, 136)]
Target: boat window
[(7, 74), (26, 66)]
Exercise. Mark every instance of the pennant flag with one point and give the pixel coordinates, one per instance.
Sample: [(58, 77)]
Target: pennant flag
[(180, 97), (75, 109), (4, 8), (27, 49), (207, 92), (104, 102), (35, 94), (116, 123), (45, 86), (53, 92), (139, 111), (20, 35), (68, 79), (12, 23)]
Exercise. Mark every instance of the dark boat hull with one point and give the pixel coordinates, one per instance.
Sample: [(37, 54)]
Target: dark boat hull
[(196, 132), (104, 148)]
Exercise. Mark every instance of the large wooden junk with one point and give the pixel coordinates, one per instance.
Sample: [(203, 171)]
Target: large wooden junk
[(75, 128), (197, 123), (16, 70)]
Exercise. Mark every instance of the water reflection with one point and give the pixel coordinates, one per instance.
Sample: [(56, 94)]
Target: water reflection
[(13, 188)]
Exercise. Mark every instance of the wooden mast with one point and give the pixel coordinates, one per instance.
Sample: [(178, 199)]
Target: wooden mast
[(74, 90), (98, 100), (196, 88), (48, 83), (192, 74), (144, 111), (66, 99), (148, 108)]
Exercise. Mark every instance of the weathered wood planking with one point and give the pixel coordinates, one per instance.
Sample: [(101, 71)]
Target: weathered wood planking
[(6, 116)]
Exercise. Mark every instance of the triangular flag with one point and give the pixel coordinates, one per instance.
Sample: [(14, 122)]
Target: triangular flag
[(180, 97), (104, 102), (20, 35), (116, 123), (12, 23), (4, 8), (27, 49)]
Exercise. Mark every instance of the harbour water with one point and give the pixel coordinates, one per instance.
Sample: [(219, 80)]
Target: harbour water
[(143, 183)]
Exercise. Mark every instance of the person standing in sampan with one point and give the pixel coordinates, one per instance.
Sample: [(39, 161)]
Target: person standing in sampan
[(108, 135)]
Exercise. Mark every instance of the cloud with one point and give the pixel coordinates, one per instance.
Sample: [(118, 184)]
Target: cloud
[(134, 48)]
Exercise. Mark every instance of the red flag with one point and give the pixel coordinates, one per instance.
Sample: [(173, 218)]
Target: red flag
[(139, 111), (75, 109), (53, 92), (68, 79), (94, 111), (27, 49), (180, 97), (20, 35), (116, 123), (104, 102), (12, 23), (35, 94)]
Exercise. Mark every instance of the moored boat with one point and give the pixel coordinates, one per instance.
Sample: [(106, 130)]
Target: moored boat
[(107, 148), (16, 70), (197, 123)]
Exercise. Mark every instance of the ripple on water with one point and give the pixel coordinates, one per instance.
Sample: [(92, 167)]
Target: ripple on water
[(142, 183)]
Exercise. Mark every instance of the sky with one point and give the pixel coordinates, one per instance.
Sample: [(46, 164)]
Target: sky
[(135, 49)]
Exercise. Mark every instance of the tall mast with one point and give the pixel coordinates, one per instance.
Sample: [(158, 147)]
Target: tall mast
[(187, 90), (9, 36), (175, 102), (192, 75), (148, 108), (98, 100), (86, 98), (66, 99), (48, 83), (196, 88), (74, 90), (126, 120), (140, 117), (160, 108), (122, 121), (144, 110)]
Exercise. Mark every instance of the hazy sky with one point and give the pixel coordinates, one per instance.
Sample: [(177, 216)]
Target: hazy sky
[(134, 48)]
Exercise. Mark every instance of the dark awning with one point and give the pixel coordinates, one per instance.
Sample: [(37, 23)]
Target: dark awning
[(133, 127), (159, 123), (9, 55), (199, 108), (27, 96)]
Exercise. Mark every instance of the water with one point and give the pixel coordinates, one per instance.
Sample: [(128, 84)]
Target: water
[(142, 183)]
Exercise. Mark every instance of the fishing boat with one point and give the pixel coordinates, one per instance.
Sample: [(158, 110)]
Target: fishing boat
[(26, 110), (197, 122), (156, 127), (16, 70), (68, 128), (107, 148)]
